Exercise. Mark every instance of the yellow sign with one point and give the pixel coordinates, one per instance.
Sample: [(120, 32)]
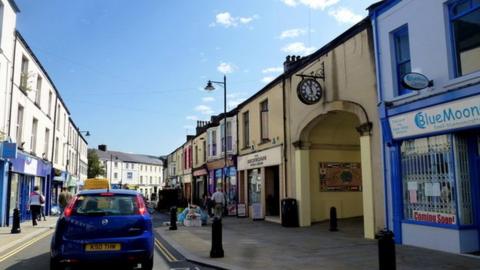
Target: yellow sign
[(96, 183)]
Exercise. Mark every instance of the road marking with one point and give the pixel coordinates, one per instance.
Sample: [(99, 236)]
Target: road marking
[(25, 245), (165, 251)]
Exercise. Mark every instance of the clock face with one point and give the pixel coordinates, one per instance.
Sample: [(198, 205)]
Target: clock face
[(309, 91)]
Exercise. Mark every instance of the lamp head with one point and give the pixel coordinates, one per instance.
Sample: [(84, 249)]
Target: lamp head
[(87, 134), (209, 86)]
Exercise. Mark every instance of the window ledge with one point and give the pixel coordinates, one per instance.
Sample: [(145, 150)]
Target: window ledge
[(264, 141), (462, 81)]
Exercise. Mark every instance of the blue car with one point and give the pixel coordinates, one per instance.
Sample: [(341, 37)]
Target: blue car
[(104, 227)]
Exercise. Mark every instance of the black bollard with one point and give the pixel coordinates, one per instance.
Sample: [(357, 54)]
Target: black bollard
[(16, 221), (333, 219), (386, 250), (217, 246), (173, 218)]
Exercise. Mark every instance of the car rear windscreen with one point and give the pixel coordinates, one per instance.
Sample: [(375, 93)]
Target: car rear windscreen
[(97, 204)]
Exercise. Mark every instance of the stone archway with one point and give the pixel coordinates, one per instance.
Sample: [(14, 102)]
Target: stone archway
[(340, 133)]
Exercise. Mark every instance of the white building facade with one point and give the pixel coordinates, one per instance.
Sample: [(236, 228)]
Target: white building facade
[(428, 78)]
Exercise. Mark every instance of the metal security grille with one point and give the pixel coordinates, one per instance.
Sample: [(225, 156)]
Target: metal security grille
[(428, 176), (462, 174)]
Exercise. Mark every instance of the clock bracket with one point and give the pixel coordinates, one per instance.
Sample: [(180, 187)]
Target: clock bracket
[(318, 74)]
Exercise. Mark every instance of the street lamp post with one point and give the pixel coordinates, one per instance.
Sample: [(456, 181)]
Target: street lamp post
[(217, 248)]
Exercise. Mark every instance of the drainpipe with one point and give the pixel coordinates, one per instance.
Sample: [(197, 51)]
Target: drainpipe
[(11, 87), (284, 137)]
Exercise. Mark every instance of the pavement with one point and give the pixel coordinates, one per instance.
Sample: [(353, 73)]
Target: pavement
[(263, 245), (28, 233)]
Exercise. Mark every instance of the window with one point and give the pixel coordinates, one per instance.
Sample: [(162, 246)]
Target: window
[(115, 175), (46, 143), (229, 136), (436, 180), (246, 130), (214, 142), (129, 175), (196, 154), (401, 57), (33, 138), (465, 26), (264, 120), (57, 145), (64, 122), (58, 118), (50, 95), (150, 180), (24, 74), (19, 126), (204, 152), (115, 164), (38, 94)]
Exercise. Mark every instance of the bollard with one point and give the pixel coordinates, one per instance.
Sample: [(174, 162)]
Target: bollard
[(16, 221), (217, 248), (173, 218), (386, 250), (333, 219)]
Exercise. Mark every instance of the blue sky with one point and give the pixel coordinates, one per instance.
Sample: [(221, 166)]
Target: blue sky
[(133, 75)]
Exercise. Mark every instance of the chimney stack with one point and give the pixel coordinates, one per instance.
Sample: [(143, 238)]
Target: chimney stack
[(290, 61)]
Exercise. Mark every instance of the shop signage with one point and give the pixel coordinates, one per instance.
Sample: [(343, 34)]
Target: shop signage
[(269, 157), (415, 81), (456, 114), (242, 210), (30, 166), (433, 217), (8, 150), (200, 172)]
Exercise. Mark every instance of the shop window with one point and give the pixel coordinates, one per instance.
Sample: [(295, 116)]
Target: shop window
[(402, 65), (436, 180), (254, 186), (465, 27)]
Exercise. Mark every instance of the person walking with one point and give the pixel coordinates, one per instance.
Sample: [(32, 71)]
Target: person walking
[(219, 199), (35, 203), (64, 198)]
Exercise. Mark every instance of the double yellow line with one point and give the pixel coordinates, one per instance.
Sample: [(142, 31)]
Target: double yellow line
[(165, 251), (25, 245)]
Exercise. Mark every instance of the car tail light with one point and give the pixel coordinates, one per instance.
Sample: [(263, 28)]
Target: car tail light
[(107, 194), (69, 209), (142, 209)]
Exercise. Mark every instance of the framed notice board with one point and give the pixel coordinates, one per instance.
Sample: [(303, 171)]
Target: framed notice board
[(340, 176)]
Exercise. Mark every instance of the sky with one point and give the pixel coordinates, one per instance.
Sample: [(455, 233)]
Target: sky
[(133, 72)]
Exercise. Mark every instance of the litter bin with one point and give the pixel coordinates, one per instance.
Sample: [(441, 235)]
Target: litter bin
[(289, 212)]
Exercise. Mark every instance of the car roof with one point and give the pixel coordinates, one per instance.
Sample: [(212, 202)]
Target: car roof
[(115, 191)]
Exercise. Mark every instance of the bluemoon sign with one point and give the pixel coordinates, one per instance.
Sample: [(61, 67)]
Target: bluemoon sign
[(415, 81)]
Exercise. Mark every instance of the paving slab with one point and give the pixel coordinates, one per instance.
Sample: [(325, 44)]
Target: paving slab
[(264, 245)]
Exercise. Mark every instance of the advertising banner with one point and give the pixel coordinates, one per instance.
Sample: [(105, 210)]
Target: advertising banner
[(439, 218)]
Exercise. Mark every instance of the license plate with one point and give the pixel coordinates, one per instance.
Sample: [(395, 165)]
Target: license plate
[(103, 247)]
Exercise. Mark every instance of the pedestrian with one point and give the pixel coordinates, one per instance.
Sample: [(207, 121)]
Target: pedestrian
[(42, 210), (64, 198), (219, 199), (35, 202)]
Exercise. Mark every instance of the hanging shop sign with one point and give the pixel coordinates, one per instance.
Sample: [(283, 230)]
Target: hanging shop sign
[(416, 81), (452, 115), (270, 157), (433, 217), (340, 176)]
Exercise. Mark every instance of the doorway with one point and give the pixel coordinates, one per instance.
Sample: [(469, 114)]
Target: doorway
[(272, 191)]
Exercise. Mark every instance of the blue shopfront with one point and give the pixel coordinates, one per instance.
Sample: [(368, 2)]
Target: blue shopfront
[(432, 165), (27, 172), (229, 187)]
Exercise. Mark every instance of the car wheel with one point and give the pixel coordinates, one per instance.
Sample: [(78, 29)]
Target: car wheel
[(55, 265), (147, 264)]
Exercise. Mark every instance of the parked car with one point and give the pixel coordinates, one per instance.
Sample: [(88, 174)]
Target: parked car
[(104, 227)]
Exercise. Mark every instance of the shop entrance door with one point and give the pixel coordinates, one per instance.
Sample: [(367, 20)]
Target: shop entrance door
[(272, 191)]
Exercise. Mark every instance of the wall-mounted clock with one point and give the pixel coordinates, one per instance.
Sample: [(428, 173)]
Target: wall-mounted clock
[(309, 91)]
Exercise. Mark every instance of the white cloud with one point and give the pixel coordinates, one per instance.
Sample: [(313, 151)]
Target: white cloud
[(204, 109), (188, 127), (225, 68), (291, 3), (292, 33), (192, 117), (345, 15), (272, 70), (298, 48), (227, 20), (313, 4), (233, 99), (267, 79), (208, 99)]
